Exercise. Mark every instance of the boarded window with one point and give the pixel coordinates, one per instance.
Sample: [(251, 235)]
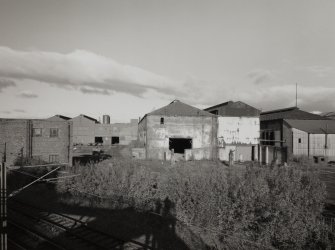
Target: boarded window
[(54, 132), (53, 158), (37, 132), (162, 120)]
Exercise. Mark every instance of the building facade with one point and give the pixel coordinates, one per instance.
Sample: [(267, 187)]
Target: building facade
[(44, 140), (238, 130), (278, 136), (178, 130)]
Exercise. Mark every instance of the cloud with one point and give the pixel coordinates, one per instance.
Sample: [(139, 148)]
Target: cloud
[(19, 110), (5, 83), (27, 94), (260, 76), (87, 90), (84, 71), (318, 70)]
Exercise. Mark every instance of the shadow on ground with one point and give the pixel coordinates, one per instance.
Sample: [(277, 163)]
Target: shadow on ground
[(157, 229)]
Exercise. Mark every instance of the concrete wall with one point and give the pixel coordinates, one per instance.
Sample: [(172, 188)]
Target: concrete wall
[(85, 131), (15, 134), (238, 130), (300, 148), (202, 131), (239, 134), (45, 145)]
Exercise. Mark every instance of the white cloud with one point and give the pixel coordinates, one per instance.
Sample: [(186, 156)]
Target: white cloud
[(27, 94), (84, 71), (5, 83)]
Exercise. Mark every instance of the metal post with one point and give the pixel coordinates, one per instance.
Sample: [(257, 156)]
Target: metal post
[(3, 203)]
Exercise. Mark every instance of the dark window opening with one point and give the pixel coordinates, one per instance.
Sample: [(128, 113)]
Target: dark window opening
[(162, 120), (299, 140), (253, 153), (54, 132), (214, 112), (115, 140), (98, 140), (180, 144)]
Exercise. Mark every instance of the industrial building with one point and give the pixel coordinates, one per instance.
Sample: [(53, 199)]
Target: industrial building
[(177, 130), (45, 140), (284, 133), (89, 131), (58, 138), (238, 130)]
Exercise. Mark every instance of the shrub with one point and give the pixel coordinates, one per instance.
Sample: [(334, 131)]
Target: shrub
[(272, 207)]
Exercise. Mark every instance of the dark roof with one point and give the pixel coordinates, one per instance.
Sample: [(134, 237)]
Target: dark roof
[(178, 108), (330, 115), (90, 118), (232, 108), (61, 117), (290, 113), (313, 126)]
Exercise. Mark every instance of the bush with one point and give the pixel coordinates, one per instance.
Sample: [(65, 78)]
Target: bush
[(272, 207)]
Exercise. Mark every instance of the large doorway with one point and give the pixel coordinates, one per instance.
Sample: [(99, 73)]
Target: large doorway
[(115, 140), (180, 144)]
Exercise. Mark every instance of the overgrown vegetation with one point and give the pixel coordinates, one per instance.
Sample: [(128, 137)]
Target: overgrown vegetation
[(252, 206)]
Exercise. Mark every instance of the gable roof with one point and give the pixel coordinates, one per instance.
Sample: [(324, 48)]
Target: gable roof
[(290, 113), (330, 115), (178, 108), (313, 126), (61, 117), (232, 108)]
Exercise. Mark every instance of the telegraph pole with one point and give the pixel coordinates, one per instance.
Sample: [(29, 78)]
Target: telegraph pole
[(3, 212), (296, 95)]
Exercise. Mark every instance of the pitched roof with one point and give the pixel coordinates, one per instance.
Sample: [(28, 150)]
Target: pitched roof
[(178, 108), (290, 113), (313, 126), (330, 115), (232, 108), (62, 117)]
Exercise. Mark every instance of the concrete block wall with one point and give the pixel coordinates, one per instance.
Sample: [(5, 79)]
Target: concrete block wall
[(45, 145), (202, 131), (15, 134)]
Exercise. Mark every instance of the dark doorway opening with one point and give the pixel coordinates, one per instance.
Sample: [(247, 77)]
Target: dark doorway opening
[(180, 144), (253, 153), (115, 140), (98, 140)]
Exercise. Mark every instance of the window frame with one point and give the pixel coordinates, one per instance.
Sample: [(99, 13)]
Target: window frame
[(36, 134), (52, 135)]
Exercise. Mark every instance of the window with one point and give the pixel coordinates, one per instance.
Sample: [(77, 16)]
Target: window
[(53, 158), (115, 140), (37, 132), (54, 132), (299, 140), (162, 120)]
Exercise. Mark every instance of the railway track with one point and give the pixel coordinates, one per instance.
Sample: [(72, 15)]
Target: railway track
[(58, 231)]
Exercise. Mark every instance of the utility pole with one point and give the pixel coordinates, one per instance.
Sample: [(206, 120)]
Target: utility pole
[(296, 95), (3, 212)]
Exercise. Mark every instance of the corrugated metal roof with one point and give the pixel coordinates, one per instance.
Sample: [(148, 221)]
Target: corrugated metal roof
[(289, 113), (178, 108), (313, 126)]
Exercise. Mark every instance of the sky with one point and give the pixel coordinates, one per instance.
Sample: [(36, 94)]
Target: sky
[(126, 58)]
